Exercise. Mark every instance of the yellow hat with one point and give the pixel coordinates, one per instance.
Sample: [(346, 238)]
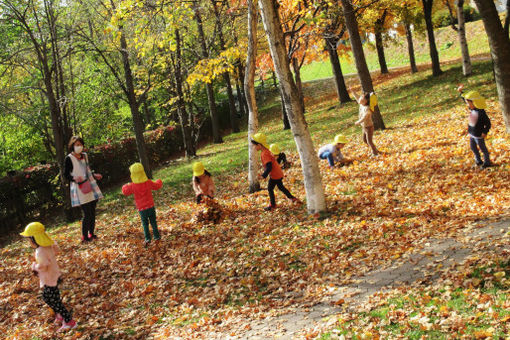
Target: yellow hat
[(261, 139), (138, 173), (477, 99), (373, 101), (275, 149), (36, 230), (198, 169), (340, 139)]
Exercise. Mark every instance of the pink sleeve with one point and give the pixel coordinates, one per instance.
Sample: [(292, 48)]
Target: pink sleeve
[(127, 189), (156, 185), (41, 263)]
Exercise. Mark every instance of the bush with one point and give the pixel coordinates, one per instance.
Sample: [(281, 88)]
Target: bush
[(442, 17), (36, 190)]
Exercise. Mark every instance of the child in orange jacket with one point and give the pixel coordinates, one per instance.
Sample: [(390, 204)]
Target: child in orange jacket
[(271, 168)]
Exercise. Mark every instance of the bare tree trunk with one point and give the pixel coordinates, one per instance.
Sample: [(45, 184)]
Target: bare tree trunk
[(299, 83), (341, 89), (189, 146), (507, 17), (249, 84), (285, 117), (379, 43), (234, 122), (359, 58), (239, 98), (434, 56), (461, 30), (134, 106), (241, 79), (410, 48), (500, 51), (313, 182), (208, 86)]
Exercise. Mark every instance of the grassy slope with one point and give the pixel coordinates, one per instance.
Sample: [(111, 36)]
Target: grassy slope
[(396, 51), (254, 262)]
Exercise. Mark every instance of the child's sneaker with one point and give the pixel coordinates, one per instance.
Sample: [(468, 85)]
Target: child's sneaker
[(146, 243), (67, 325), (486, 165), (296, 200), (92, 237), (270, 207), (85, 239), (58, 319)]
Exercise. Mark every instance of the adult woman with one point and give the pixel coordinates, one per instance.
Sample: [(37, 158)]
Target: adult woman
[(84, 189)]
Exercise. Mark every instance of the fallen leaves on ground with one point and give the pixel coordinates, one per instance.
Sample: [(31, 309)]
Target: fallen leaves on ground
[(204, 281)]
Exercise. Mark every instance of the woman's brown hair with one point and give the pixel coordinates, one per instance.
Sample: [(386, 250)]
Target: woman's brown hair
[(73, 140)]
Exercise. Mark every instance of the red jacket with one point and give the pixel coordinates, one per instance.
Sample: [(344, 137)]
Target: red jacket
[(142, 192)]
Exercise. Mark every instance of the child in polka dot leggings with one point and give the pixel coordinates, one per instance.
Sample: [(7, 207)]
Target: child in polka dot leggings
[(46, 267)]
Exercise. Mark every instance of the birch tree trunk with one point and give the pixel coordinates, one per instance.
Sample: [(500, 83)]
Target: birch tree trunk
[(249, 85), (410, 48), (461, 30), (315, 199), (359, 57), (499, 43)]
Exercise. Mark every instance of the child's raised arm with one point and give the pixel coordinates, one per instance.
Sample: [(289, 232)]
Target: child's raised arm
[(354, 94), (127, 189), (156, 185)]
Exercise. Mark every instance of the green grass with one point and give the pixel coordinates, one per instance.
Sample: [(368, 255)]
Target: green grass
[(436, 305), (402, 99), (397, 55)]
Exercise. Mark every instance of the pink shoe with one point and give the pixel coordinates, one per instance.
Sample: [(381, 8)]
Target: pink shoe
[(67, 325), (58, 319)]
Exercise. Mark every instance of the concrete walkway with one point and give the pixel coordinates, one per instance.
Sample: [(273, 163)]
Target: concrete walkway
[(421, 266)]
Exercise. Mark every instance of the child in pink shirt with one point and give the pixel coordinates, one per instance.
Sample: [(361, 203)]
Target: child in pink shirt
[(46, 267)]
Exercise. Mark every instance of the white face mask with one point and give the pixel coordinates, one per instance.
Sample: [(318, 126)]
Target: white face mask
[(78, 148)]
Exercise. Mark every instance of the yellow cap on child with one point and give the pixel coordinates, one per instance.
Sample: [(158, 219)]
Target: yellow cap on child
[(36, 230), (340, 139), (138, 173), (478, 101), (260, 138), (198, 169), (275, 149)]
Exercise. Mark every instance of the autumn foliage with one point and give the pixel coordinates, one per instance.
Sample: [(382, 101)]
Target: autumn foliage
[(203, 280)]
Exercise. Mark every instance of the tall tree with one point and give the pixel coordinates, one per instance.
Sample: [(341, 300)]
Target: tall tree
[(313, 182), (184, 120), (249, 84), (208, 86), (379, 41), (332, 28), (460, 28), (39, 25), (107, 36), (434, 56), (499, 43), (234, 121), (410, 48), (359, 58)]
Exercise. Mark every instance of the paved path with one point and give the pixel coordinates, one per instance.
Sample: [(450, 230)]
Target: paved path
[(424, 265)]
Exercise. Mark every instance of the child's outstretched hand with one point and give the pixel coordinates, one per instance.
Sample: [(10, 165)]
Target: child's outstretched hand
[(460, 88)]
